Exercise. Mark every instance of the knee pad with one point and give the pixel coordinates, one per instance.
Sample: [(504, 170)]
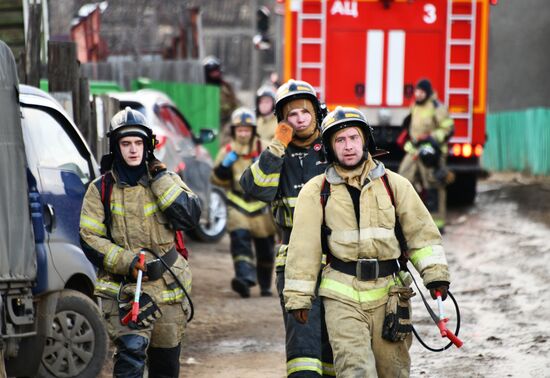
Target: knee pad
[(130, 356)]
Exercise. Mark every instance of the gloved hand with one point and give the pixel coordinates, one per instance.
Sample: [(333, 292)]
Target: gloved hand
[(300, 315), (230, 159), (156, 166), (440, 286), (283, 133), (135, 266), (148, 313)]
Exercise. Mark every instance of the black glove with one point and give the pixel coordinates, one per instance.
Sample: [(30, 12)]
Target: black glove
[(148, 313), (441, 286), (156, 166)]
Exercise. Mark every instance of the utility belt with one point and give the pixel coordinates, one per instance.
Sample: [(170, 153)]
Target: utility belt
[(156, 267), (365, 269)]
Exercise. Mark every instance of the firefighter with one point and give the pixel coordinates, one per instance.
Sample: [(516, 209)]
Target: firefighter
[(424, 164), (249, 220), (139, 212), (213, 74), (265, 106), (350, 212), (292, 158)]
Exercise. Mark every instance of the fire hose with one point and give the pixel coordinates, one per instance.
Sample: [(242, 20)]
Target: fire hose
[(441, 321)]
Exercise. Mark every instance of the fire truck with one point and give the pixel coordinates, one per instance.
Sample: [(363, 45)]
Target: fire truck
[(370, 53)]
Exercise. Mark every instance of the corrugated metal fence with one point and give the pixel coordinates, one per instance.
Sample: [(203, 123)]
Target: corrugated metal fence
[(518, 141)]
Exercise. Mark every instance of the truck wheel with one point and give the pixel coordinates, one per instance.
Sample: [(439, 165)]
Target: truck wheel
[(217, 219), (78, 344), (463, 190)]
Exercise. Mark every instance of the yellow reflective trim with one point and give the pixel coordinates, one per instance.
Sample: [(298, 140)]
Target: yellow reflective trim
[(243, 258), (150, 208), (169, 196), (356, 295), (304, 364), (303, 286), (111, 257), (248, 206), (262, 179), (447, 122), (280, 260), (420, 254), (109, 287), (290, 201), (117, 208), (431, 255), (93, 225), (328, 369)]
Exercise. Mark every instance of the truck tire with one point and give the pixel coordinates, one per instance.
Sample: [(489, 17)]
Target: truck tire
[(78, 343), (214, 230), (462, 192)]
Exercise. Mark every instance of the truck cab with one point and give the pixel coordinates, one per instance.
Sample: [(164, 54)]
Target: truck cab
[(369, 54), (51, 326)]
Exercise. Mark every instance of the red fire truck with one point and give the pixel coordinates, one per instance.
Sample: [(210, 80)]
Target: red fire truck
[(370, 53)]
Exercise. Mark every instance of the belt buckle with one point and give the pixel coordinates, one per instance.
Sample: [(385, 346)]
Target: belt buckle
[(367, 269)]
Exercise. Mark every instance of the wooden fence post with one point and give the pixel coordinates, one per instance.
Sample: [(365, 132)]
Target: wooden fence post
[(32, 47), (63, 72)]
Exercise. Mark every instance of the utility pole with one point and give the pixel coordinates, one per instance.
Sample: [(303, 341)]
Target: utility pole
[(255, 58)]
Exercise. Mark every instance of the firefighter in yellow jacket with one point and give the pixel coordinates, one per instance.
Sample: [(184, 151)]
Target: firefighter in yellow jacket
[(136, 207), (351, 212), (265, 111), (250, 221), (424, 164)]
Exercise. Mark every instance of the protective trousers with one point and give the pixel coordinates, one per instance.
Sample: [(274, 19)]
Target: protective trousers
[(246, 273), (308, 352), (431, 191), (157, 345), (359, 349)]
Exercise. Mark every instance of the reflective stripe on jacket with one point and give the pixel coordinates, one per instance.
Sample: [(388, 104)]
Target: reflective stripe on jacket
[(142, 216), (279, 179), (373, 238), (431, 118)]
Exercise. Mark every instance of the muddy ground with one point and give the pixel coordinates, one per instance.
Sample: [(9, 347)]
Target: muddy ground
[(498, 253)]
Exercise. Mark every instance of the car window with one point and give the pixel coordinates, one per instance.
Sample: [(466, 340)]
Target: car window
[(51, 146), (174, 121)]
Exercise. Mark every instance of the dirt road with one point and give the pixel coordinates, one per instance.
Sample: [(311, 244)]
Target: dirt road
[(498, 252)]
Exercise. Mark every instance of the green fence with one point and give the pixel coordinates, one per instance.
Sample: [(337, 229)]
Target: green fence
[(518, 141), (199, 103), (97, 87)]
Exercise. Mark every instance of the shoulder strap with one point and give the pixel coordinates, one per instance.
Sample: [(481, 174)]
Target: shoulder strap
[(325, 230), (105, 187), (398, 230)]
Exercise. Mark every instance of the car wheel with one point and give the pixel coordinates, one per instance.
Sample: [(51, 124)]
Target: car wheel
[(214, 229), (78, 343)]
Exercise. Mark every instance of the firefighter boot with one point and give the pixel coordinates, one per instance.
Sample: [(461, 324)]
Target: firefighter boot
[(245, 272), (264, 265), (164, 362)]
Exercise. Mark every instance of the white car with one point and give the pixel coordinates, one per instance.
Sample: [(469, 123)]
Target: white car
[(183, 153)]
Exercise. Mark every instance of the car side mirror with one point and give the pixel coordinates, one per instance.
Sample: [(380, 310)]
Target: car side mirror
[(206, 136)]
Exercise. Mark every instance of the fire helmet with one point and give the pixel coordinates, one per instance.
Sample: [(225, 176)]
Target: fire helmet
[(341, 118), (130, 122), (264, 91), (297, 89), (243, 117)]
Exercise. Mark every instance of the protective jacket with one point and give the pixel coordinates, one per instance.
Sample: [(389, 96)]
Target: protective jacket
[(142, 216), (373, 238), (237, 199), (279, 175), (430, 118), (266, 126)]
